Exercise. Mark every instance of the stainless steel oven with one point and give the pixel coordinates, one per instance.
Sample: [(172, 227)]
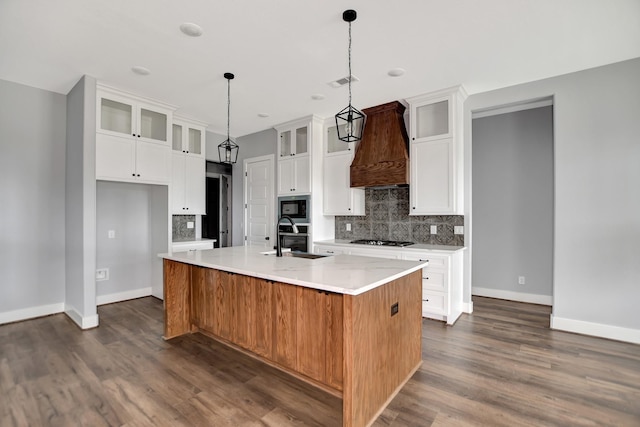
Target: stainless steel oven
[(295, 241), (297, 208)]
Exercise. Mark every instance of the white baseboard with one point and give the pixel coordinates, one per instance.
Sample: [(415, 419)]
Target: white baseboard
[(512, 296), (467, 307), (84, 322), (30, 313), (596, 329), (123, 296)]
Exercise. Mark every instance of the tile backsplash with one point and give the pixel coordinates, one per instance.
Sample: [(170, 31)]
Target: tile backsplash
[(387, 218), (180, 230)]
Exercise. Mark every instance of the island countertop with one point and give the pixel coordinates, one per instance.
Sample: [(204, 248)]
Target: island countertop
[(344, 274)]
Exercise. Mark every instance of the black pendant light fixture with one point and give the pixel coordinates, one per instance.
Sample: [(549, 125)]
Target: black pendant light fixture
[(228, 150), (349, 121)]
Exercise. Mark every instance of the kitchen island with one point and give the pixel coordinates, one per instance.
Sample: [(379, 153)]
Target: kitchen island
[(350, 325)]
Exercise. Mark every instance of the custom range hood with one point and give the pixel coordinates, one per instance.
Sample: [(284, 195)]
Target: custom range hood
[(382, 157)]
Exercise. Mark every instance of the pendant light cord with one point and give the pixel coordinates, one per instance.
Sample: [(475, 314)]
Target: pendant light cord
[(228, 107), (349, 63)]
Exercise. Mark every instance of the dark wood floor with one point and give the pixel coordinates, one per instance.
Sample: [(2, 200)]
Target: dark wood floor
[(501, 366)]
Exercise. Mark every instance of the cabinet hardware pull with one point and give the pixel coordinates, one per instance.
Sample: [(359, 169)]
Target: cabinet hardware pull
[(138, 175), (133, 174), (414, 207)]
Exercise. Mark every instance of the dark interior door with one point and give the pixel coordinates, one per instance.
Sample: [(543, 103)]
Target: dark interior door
[(211, 221)]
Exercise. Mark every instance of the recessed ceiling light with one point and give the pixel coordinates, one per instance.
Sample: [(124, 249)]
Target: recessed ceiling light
[(317, 96), (143, 71), (396, 72), (191, 29), (263, 115)]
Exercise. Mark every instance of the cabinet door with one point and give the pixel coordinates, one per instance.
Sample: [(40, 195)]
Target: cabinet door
[(301, 141), (153, 162), (431, 119), (339, 197), (225, 302), (311, 323), (153, 124), (285, 300), (203, 285), (285, 176), (242, 312), (195, 185), (432, 177), (333, 329), (178, 183), (302, 175), (115, 115), (115, 158), (263, 320)]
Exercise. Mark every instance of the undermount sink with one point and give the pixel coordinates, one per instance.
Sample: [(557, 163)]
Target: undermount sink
[(290, 253), (303, 255)]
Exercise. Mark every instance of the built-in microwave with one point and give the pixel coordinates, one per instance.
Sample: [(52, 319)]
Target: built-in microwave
[(297, 208)]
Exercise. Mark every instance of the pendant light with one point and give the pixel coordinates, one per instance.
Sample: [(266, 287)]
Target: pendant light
[(228, 150), (349, 121)]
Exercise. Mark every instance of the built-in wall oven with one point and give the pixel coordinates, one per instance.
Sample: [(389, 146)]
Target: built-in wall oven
[(297, 208), (295, 241)]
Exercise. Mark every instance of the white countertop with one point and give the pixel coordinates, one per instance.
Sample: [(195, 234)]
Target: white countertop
[(344, 274), (193, 240), (416, 247)]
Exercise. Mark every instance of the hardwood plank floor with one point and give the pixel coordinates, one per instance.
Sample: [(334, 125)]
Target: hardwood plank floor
[(500, 366)]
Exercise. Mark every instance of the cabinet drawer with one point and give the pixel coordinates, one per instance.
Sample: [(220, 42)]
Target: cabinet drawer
[(434, 280), (435, 261), (434, 303)]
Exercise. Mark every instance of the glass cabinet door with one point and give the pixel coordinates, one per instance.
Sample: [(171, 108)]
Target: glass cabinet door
[(116, 116), (285, 143), (153, 125), (195, 141), (334, 144), (176, 142), (301, 140), (432, 119)]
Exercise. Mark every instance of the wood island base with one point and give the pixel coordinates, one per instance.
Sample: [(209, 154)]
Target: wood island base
[(361, 347)]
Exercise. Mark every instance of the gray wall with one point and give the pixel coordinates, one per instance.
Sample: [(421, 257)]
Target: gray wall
[(32, 195), (254, 145), (513, 201), (137, 213), (597, 202), (80, 204)]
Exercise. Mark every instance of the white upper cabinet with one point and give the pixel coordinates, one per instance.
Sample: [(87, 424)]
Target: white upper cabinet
[(188, 177), (188, 137), (124, 115), (132, 138), (436, 147), (294, 160), (338, 196)]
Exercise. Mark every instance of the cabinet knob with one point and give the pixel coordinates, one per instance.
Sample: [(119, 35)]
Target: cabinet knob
[(414, 207), (414, 138), (138, 136), (133, 134), (133, 174), (138, 175)]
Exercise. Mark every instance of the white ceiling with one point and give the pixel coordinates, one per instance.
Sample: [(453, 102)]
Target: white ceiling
[(284, 51)]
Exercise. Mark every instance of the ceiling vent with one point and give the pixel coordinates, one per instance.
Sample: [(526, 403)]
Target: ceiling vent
[(343, 81)]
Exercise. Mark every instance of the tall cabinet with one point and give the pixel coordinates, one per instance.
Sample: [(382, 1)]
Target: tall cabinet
[(133, 139), (437, 152), (338, 196), (188, 182), (294, 160)]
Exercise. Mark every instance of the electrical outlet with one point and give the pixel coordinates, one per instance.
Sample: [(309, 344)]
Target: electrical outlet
[(102, 274), (433, 229), (458, 229), (348, 227), (520, 280), (190, 224), (111, 234)]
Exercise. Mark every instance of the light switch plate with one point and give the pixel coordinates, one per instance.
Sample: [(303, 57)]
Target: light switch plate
[(433, 229), (458, 229), (111, 234), (190, 224), (102, 274), (348, 227)]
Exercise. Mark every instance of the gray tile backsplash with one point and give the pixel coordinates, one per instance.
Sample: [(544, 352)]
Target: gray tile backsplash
[(387, 218), (180, 230)]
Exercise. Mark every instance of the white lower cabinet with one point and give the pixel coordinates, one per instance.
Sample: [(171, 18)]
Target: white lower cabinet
[(129, 160), (441, 285), (441, 279)]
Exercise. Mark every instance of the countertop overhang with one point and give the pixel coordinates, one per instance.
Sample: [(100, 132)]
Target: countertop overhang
[(344, 274)]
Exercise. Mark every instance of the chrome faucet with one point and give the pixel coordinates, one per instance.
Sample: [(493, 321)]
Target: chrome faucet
[(278, 244)]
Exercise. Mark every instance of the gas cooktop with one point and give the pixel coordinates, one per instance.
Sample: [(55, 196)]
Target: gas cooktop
[(381, 242)]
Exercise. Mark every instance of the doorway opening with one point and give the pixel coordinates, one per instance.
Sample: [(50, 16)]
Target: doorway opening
[(513, 202), (217, 223)]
